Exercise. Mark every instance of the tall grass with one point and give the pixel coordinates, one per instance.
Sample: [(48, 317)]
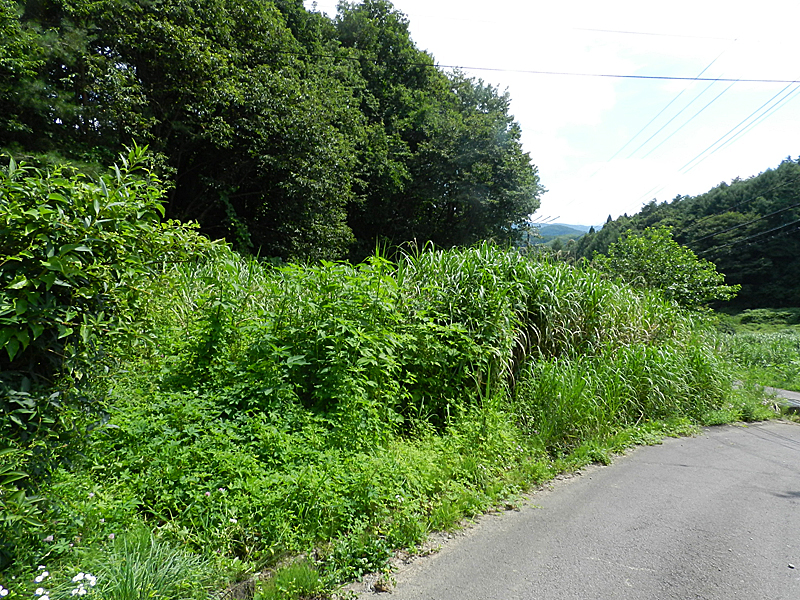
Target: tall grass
[(769, 358), (338, 412)]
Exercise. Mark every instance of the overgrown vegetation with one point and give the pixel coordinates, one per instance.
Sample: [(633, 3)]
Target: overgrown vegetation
[(765, 346), (213, 416)]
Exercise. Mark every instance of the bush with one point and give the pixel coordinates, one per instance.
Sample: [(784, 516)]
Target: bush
[(653, 260), (74, 253)]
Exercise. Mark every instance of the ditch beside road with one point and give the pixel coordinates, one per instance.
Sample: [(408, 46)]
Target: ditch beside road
[(716, 517)]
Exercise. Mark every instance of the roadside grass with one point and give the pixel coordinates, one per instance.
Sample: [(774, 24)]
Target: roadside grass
[(307, 421), (764, 346)]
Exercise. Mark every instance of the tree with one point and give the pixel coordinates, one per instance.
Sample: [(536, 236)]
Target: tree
[(652, 259), (281, 130)]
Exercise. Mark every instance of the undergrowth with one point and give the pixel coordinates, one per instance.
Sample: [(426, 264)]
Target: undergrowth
[(306, 421)]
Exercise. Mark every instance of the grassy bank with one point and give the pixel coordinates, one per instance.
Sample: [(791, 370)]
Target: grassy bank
[(306, 421)]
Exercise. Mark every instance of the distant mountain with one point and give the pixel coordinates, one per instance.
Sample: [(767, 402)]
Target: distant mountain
[(549, 233), (558, 229)]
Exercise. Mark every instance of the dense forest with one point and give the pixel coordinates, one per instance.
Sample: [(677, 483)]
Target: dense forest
[(749, 229), (286, 132)]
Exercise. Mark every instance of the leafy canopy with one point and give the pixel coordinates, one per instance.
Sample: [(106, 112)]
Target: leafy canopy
[(652, 259)]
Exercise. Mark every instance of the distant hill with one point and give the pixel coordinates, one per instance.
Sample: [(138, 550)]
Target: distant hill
[(559, 233), (557, 229)]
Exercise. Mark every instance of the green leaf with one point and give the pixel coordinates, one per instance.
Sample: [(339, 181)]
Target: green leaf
[(12, 347), (20, 281), (9, 477), (37, 329), (54, 264), (24, 338), (31, 521), (64, 331)]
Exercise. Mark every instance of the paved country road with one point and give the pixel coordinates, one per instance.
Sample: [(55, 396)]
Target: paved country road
[(714, 517)]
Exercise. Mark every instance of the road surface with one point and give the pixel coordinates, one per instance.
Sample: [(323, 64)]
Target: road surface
[(714, 517)]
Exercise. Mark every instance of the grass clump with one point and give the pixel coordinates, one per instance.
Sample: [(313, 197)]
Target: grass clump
[(298, 581), (138, 565)]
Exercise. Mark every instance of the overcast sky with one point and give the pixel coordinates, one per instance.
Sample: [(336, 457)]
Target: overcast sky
[(605, 146)]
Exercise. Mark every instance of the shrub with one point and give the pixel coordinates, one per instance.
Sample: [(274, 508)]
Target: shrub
[(73, 253), (652, 259)]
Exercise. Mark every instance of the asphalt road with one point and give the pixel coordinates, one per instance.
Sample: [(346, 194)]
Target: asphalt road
[(714, 517)]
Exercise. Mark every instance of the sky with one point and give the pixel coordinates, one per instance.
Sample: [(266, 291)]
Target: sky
[(605, 146)]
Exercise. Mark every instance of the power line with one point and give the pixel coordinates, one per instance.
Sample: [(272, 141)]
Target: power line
[(741, 241), (537, 72), (670, 103), (745, 224), (621, 76), (729, 132), (647, 33), (768, 113), (692, 118)]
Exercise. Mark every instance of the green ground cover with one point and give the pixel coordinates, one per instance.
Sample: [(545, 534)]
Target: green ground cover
[(764, 344), (304, 421)]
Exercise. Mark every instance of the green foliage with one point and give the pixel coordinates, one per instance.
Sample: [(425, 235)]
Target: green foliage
[(771, 317), (73, 253), (766, 358), (20, 513), (338, 412), (653, 260), (336, 134), (747, 228)]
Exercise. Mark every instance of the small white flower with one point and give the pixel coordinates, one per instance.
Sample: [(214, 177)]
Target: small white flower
[(41, 568), (82, 591), (73, 592), (232, 520), (3, 592), (77, 577), (92, 579), (39, 591), (38, 579), (45, 597)]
